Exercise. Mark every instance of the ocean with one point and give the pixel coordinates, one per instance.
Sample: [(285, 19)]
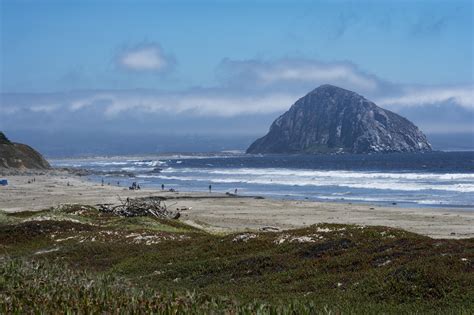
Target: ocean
[(435, 179)]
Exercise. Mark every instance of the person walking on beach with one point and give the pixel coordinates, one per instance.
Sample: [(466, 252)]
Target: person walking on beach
[(162, 186), (210, 188)]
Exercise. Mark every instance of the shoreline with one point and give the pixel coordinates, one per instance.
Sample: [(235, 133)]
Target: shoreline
[(418, 182), (218, 212)]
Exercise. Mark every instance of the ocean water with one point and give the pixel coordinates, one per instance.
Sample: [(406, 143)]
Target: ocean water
[(436, 179)]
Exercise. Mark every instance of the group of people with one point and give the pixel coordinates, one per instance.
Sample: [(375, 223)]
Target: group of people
[(135, 186), (163, 188)]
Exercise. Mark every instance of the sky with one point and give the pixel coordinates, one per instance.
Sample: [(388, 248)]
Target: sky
[(227, 67)]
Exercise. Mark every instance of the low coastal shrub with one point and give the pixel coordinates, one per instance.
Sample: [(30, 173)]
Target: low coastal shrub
[(46, 288), (81, 262)]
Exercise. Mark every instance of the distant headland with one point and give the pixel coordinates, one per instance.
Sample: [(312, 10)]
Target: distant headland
[(19, 156)]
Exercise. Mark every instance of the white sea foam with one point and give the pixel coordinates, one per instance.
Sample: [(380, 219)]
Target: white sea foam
[(423, 188), (136, 169), (432, 202), (108, 163), (338, 174), (349, 179)]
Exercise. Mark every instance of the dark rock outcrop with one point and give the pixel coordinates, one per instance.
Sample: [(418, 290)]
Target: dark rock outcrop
[(332, 119), (20, 156)]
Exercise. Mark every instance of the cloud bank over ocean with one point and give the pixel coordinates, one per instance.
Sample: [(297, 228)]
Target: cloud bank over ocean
[(249, 87)]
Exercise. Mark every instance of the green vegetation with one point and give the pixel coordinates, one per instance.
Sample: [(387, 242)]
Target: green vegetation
[(74, 258)]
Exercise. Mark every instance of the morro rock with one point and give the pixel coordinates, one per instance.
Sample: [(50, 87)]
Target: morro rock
[(19, 156), (332, 119)]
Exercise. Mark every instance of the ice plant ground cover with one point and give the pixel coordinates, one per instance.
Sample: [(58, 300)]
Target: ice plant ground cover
[(78, 259)]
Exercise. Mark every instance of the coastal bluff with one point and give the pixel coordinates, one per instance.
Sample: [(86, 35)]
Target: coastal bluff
[(18, 156), (330, 119)]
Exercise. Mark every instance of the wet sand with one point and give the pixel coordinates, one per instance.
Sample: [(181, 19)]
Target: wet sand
[(220, 213)]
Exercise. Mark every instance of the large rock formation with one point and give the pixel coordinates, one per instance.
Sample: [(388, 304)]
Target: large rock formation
[(19, 156), (332, 119)]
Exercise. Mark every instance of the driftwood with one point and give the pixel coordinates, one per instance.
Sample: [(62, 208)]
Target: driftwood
[(137, 207), (269, 229)]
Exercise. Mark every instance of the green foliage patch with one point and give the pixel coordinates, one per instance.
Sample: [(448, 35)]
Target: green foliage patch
[(82, 260)]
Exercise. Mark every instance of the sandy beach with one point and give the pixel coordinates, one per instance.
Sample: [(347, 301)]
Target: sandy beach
[(220, 213)]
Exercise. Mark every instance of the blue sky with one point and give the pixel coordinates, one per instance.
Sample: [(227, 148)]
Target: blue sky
[(225, 60), (49, 45)]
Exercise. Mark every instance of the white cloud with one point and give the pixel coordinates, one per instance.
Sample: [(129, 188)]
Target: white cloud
[(18, 103), (145, 57), (45, 108), (316, 73), (201, 102), (415, 96), (249, 88), (302, 72)]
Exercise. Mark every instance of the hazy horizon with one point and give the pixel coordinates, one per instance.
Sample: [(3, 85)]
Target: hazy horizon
[(58, 145)]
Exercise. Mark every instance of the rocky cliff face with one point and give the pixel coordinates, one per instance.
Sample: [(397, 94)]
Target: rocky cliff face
[(19, 156), (331, 119)]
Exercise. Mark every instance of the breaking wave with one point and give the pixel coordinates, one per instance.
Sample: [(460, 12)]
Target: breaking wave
[(434, 179)]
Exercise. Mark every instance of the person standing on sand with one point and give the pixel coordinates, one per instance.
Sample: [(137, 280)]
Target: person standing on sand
[(210, 188), (162, 186)]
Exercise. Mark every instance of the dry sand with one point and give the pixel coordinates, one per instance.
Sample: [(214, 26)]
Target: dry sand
[(219, 213)]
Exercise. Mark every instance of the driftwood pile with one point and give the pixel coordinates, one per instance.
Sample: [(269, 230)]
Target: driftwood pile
[(136, 207)]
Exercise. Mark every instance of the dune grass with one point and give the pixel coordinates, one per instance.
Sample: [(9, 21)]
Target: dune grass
[(75, 258)]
